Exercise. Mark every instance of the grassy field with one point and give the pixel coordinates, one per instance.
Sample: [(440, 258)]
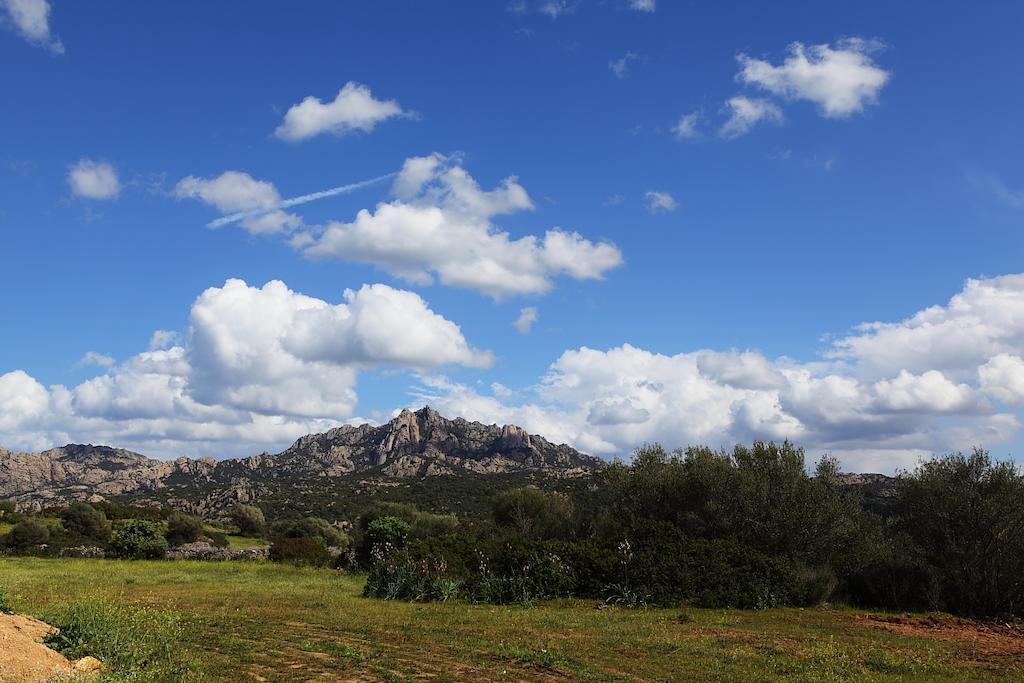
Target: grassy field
[(274, 622)]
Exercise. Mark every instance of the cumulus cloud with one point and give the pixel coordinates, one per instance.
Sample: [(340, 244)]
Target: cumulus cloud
[(840, 79), (660, 202), (946, 378), (527, 317), (259, 366), (93, 180), (1002, 377), (32, 19), (237, 192), (161, 339), (440, 225), (353, 109), (745, 113)]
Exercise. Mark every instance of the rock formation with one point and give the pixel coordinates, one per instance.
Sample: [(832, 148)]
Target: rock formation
[(414, 444)]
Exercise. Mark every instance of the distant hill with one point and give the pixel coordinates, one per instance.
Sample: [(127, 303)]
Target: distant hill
[(413, 446)]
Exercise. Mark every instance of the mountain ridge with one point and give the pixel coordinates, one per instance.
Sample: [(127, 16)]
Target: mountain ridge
[(413, 444)]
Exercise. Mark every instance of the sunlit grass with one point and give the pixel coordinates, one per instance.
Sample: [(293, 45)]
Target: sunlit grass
[(274, 621)]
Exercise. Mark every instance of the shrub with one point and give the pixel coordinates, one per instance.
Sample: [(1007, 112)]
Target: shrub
[(313, 528), (135, 643), (399, 576), (28, 533), (422, 524), (300, 551), (534, 513), (7, 508), (139, 539), (218, 538), (391, 531), (183, 528), (966, 515), (86, 521), (5, 603), (249, 519)]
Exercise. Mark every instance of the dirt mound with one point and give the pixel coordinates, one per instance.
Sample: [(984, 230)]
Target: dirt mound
[(23, 657), (985, 638)]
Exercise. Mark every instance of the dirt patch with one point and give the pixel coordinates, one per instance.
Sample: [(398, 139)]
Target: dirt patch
[(983, 638), (24, 658)]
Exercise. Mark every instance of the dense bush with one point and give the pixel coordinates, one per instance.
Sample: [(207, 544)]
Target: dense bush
[(28, 533), (182, 528), (139, 539), (249, 519), (965, 513), (87, 522), (312, 528), (393, 531), (300, 551), (534, 513)]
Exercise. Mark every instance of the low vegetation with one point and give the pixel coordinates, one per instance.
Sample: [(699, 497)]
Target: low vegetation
[(226, 621)]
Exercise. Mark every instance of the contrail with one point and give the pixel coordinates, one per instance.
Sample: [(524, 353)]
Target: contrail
[(295, 201)]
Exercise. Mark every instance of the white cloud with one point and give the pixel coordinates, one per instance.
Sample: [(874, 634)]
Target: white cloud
[(620, 67), (660, 202), (983, 320), (259, 367), (93, 180), (527, 317), (687, 126), (233, 192), (992, 183), (161, 339), (354, 108), (22, 399), (94, 358), (32, 19), (555, 8), (841, 80), (745, 113), (440, 225), (274, 351), (551, 8), (944, 379), (643, 5), (1002, 377)]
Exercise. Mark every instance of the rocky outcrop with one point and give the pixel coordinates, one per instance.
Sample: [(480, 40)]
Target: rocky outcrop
[(414, 444)]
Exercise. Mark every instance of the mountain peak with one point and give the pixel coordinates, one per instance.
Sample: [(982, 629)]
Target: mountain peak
[(419, 443)]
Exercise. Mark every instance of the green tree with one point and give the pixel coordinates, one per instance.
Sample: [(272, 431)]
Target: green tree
[(390, 530), (534, 513), (966, 514), (28, 533), (249, 519), (139, 539), (314, 528), (86, 521), (183, 528)]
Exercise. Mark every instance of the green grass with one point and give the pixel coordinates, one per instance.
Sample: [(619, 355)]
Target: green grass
[(277, 622), (243, 542)]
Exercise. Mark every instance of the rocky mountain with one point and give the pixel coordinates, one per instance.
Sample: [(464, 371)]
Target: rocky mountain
[(414, 444)]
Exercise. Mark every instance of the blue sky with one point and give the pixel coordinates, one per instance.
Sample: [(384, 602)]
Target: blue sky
[(705, 285)]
